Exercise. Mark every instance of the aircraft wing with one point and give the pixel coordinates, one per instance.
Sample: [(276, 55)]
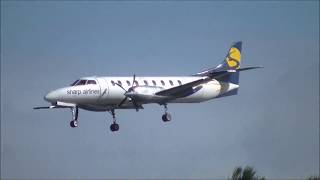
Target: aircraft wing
[(175, 91), (180, 89), (50, 107), (57, 105)]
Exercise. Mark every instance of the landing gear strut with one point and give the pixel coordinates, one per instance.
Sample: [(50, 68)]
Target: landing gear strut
[(74, 122), (114, 126), (166, 116)]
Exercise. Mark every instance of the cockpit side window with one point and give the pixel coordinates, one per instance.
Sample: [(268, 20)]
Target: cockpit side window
[(81, 82), (74, 83), (91, 82)]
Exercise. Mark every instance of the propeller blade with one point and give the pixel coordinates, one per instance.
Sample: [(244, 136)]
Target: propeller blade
[(124, 100), (134, 103), (134, 80), (104, 92), (121, 87)]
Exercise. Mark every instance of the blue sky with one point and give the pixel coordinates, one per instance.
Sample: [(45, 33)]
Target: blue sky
[(272, 124)]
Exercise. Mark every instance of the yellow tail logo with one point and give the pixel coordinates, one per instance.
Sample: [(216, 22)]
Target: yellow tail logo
[(233, 58)]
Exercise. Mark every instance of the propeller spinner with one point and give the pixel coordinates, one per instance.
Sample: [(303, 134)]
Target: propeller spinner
[(129, 90)]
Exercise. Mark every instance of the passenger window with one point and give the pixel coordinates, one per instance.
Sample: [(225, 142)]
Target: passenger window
[(91, 82), (179, 82), (162, 82), (145, 82), (171, 82), (81, 82), (136, 83), (119, 82), (154, 82), (128, 83), (112, 82)]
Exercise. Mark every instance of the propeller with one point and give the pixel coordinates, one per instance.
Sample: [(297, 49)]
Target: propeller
[(103, 93), (127, 91)]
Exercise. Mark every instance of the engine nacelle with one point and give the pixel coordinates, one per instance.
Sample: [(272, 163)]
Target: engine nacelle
[(147, 90), (146, 94)]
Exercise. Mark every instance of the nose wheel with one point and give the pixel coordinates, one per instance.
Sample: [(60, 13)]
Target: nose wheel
[(114, 126), (166, 116), (74, 122)]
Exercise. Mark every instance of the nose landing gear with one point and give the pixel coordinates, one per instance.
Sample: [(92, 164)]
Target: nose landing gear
[(74, 122)]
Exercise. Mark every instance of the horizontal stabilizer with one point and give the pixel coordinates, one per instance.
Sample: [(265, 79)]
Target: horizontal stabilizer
[(214, 75)]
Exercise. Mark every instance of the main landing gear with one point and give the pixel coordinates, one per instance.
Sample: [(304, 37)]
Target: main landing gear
[(166, 116), (114, 126), (74, 122)]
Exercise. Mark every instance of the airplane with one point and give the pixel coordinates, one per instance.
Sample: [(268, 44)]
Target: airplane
[(111, 93)]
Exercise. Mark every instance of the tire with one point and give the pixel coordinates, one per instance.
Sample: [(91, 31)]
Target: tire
[(114, 127), (73, 124), (166, 117)]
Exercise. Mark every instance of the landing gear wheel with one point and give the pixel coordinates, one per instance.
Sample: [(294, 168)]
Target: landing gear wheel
[(114, 127), (73, 124), (166, 117)]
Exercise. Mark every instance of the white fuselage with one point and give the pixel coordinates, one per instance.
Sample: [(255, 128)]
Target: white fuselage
[(131, 92), (105, 94)]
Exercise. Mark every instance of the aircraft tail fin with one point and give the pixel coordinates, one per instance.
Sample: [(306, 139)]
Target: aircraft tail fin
[(232, 59), (228, 71), (230, 62)]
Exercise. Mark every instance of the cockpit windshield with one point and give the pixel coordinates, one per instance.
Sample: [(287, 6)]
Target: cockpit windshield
[(80, 82), (91, 82), (74, 83)]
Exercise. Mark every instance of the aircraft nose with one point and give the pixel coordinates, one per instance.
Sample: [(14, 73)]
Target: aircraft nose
[(51, 96)]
